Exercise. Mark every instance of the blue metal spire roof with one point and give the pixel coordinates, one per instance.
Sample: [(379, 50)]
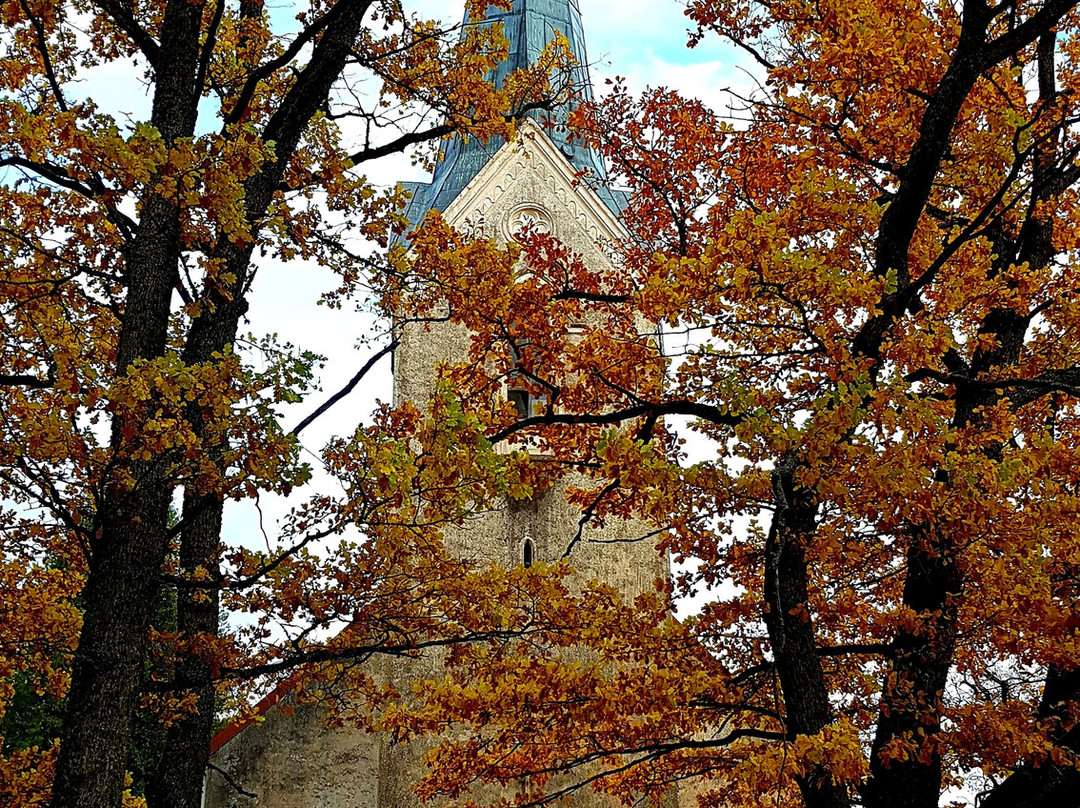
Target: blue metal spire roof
[(529, 26)]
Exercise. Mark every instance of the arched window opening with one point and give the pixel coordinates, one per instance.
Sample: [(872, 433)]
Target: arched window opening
[(527, 554)]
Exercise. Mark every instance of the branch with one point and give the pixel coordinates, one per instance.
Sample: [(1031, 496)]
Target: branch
[(906, 300), (251, 578), (46, 60), (860, 649), (1038, 24), (29, 380), (208, 48), (591, 297), (1053, 381), (50, 172), (127, 23), (344, 391), (1033, 785), (227, 778), (60, 176), (269, 68), (588, 514), (401, 143), (973, 56), (361, 652), (442, 130), (646, 754), (706, 412)]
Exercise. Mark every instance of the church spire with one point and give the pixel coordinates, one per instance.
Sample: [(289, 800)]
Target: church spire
[(529, 25)]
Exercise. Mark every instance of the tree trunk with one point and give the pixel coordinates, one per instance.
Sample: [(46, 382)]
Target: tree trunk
[(911, 698), (130, 542), (108, 662), (791, 631), (180, 773), (178, 781), (923, 655)]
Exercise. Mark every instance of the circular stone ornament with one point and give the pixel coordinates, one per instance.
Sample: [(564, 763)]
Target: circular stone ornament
[(529, 217)]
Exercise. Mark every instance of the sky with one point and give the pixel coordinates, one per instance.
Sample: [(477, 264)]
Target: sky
[(644, 41)]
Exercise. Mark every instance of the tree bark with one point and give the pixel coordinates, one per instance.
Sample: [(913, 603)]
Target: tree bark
[(791, 630), (1047, 783), (129, 545), (179, 779), (912, 690), (178, 782), (911, 701), (911, 696), (108, 662)]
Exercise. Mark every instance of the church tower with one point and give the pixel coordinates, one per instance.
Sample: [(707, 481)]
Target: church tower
[(548, 179), (493, 189)]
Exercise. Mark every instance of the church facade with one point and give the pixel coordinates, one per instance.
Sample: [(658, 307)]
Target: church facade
[(294, 760)]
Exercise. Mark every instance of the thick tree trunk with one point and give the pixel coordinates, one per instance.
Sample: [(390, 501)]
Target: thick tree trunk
[(180, 774), (108, 663), (1046, 783), (791, 631), (911, 698), (911, 707), (129, 548), (127, 554)]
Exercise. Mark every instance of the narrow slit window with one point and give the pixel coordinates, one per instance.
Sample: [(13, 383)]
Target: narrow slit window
[(527, 554)]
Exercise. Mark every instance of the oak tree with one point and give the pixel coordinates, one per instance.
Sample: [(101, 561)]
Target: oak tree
[(866, 278), (128, 255)]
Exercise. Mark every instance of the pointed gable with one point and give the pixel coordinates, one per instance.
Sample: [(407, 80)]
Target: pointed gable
[(529, 25), (531, 177)]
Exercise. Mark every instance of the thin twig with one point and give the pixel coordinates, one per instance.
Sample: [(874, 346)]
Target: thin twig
[(228, 779)]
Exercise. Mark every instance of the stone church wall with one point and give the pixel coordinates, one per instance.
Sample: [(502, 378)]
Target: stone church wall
[(295, 761)]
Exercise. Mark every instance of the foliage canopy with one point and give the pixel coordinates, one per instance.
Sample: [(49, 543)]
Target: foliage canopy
[(874, 274), (868, 279), (128, 254)]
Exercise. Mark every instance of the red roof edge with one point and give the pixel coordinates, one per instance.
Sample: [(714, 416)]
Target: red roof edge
[(229, 732)]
